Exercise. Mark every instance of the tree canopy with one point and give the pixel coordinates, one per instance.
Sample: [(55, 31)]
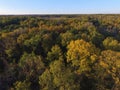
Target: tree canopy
[(60, 52)]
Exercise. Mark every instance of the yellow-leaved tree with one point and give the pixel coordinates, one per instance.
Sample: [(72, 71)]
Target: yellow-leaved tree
[(82, 55)]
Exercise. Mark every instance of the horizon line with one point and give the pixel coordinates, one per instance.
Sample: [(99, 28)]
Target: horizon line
[(63, 14)]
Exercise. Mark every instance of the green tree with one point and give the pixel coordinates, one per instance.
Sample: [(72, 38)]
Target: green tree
[(32, 43), (63, 77), (46, 80), (66, 38), (60, 78), (55, 54), (47, 42), (32, 67), (22, 85)]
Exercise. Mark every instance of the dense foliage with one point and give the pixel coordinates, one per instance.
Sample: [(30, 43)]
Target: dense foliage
[(60, 52)]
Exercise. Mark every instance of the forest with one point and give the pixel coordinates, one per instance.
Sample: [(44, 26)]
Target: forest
[(60, 52)]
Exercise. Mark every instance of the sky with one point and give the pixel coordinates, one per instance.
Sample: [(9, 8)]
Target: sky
[(59, 7)]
